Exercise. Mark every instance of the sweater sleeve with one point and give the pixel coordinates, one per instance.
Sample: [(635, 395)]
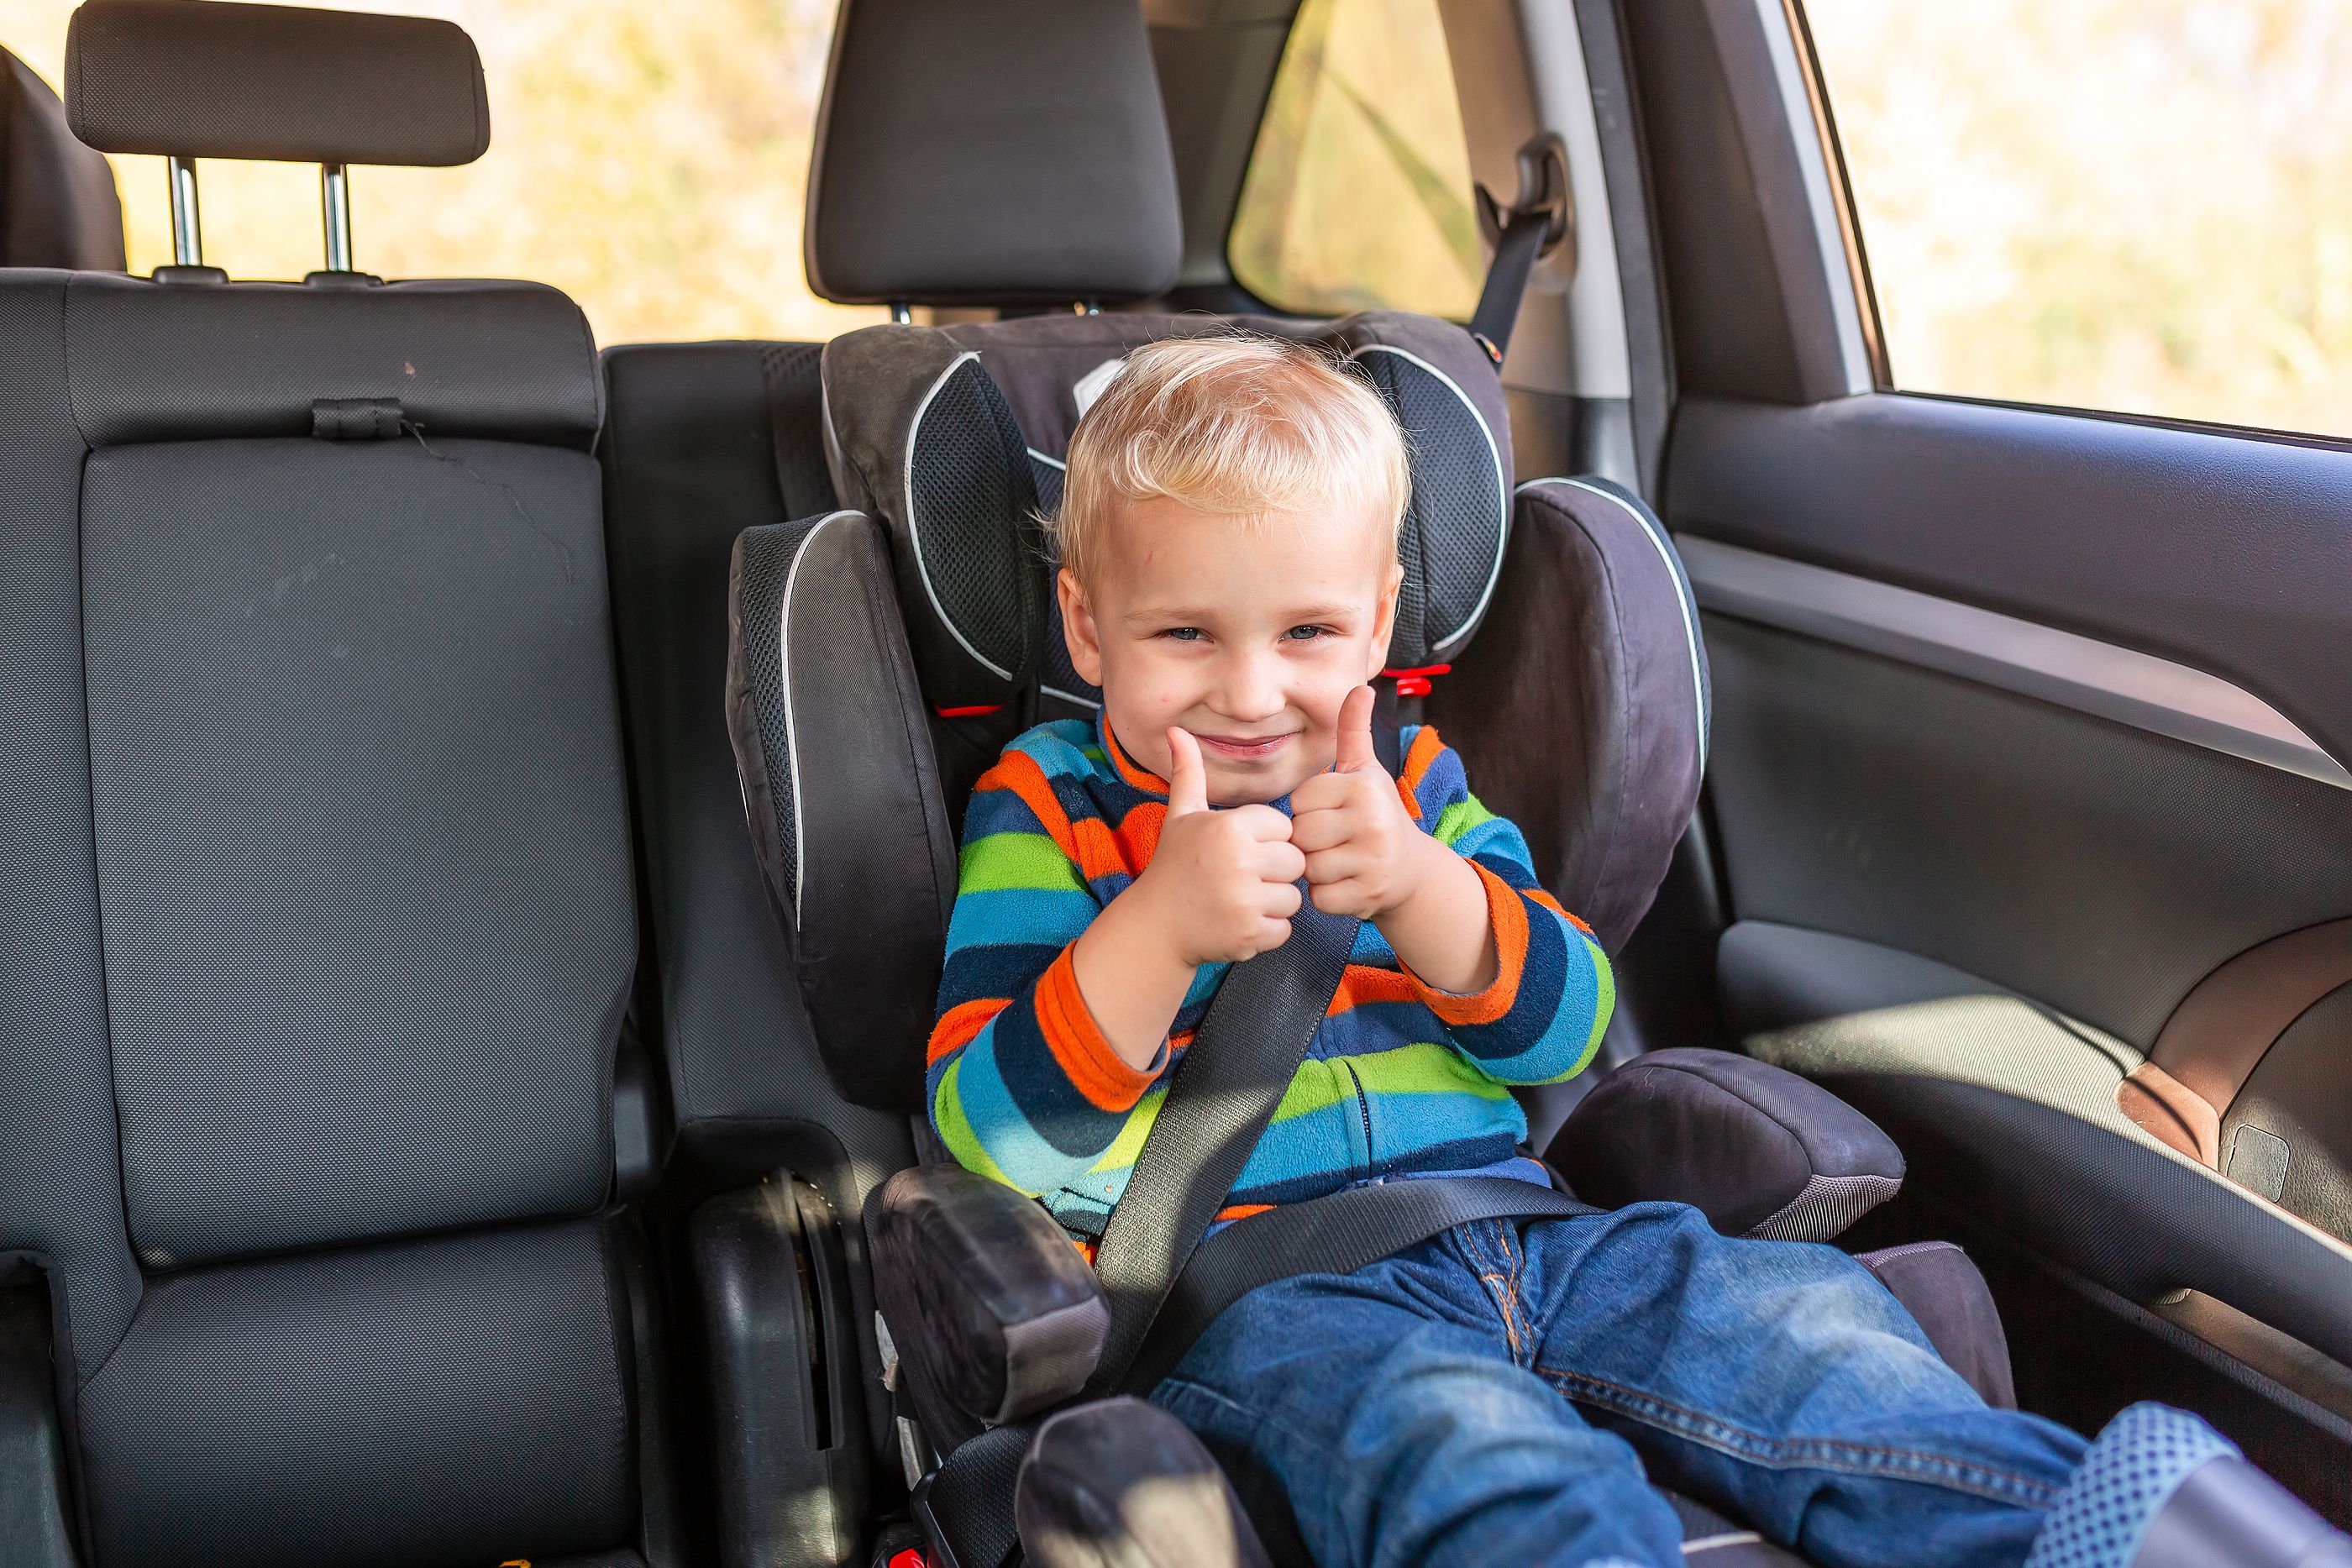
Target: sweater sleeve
[(1541, 1020), (1021, 1086)]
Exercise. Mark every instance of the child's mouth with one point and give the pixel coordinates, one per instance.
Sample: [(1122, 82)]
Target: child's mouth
[(1242, 748)]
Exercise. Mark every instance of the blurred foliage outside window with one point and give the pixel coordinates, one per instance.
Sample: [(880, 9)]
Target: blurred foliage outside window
[(2138, 205), (1358, 193), (647, 157)]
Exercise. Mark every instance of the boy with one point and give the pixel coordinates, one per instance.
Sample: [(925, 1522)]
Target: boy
[(1230, 577)]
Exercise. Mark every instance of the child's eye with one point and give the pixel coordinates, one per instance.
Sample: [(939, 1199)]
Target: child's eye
[(1184, 634), (1307, 633)]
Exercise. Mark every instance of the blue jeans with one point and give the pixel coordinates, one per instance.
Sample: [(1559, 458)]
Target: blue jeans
[(1493, 1397)]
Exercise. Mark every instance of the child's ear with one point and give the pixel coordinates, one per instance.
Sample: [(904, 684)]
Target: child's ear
[(1079, 629), (1384, 625)]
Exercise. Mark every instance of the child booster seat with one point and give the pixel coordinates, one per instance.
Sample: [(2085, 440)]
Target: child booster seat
[(882, 654)]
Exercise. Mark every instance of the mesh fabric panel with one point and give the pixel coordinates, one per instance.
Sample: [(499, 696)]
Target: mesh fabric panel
[(973, 499), (1455, 521), (796, 420), (1056, 670)]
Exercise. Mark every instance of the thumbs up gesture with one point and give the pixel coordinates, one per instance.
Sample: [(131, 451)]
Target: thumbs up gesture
[(1225, 880), (1363, 854)]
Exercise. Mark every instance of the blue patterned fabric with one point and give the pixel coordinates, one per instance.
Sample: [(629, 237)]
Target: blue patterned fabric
[(2132, 1469)]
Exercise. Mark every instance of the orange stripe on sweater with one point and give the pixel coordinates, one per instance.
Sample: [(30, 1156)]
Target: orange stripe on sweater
[(960, 1023), (1071, 1034), (1509, 914), (1549, 902), (1425, 747), (1019, 772), (1361, 983)]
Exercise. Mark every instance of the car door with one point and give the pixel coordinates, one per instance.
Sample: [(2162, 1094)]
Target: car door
[(2028, 825)]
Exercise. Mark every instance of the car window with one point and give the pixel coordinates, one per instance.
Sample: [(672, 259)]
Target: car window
[(1358, 193), (2139, 205), (649, 161)]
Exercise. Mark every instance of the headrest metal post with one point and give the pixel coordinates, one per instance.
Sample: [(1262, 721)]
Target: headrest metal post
[(187, 228), (335, 205), (901, 313)]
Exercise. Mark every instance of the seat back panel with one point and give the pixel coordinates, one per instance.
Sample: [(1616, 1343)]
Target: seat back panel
[(361, 836), (60, 1190)]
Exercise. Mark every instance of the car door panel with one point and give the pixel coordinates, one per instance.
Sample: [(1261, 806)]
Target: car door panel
[(2227, 553)]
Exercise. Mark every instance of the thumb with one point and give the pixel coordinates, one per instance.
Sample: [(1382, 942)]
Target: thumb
[(1187, 785), (1356, 733)]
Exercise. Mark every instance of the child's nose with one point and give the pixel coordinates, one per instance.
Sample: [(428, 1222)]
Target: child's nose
[(1250, 689)]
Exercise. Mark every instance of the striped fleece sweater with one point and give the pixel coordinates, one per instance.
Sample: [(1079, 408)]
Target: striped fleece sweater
[(1400, 1080)]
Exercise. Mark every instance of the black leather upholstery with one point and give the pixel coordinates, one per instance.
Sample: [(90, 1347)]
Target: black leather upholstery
[(318, 922), (990, 154), (1759, 1151), (58, 202), (201, 79)]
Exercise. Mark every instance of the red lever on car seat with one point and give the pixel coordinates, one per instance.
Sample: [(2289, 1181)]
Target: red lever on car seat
[(1414, 682), (973, 711), (909, 1558)]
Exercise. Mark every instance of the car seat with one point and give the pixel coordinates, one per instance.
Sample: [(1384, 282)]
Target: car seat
[(315, 1132), (903, 637)]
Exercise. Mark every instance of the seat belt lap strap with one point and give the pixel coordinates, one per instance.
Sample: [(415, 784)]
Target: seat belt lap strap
[(1234, 1074), (1332, 1235)]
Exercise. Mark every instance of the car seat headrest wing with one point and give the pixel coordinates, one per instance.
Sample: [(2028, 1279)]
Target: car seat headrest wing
[(208, 78), (1009, 152), (1585, 708), (955, 435), (920, 434)]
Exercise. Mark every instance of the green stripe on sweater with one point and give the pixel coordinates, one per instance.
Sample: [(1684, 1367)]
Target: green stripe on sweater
[(1460, 818), (1016, 861), (1424, 1068), (955, 1131)]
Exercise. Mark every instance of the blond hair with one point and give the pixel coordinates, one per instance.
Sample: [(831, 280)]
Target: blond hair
[(1236, 426)]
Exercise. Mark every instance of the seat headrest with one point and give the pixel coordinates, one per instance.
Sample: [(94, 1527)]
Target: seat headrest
[(955, 438), (990, 154), (208, 79)]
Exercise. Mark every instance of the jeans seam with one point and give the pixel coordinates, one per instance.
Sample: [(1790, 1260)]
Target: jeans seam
[(1823, 1453), (1518, 1257), (1497, 1290)]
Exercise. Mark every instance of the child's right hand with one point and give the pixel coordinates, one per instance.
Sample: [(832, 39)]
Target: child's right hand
[(1225, 880)]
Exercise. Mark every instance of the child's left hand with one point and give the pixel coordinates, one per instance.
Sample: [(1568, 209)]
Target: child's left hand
[(1364, 854)]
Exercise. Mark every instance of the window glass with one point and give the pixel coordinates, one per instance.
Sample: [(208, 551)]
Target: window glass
[(1357, 194), (646, 158), (2142, 206)]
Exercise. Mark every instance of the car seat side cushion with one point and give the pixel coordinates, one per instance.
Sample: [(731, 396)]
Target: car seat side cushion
[(840, 794), (1761, 1151)]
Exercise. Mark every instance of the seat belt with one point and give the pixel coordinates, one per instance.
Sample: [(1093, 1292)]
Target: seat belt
[(1235, 1073), (1335, 1234), (1521, 233)]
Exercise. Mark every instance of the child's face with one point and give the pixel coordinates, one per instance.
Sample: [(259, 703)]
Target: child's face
[(1249, 632)]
